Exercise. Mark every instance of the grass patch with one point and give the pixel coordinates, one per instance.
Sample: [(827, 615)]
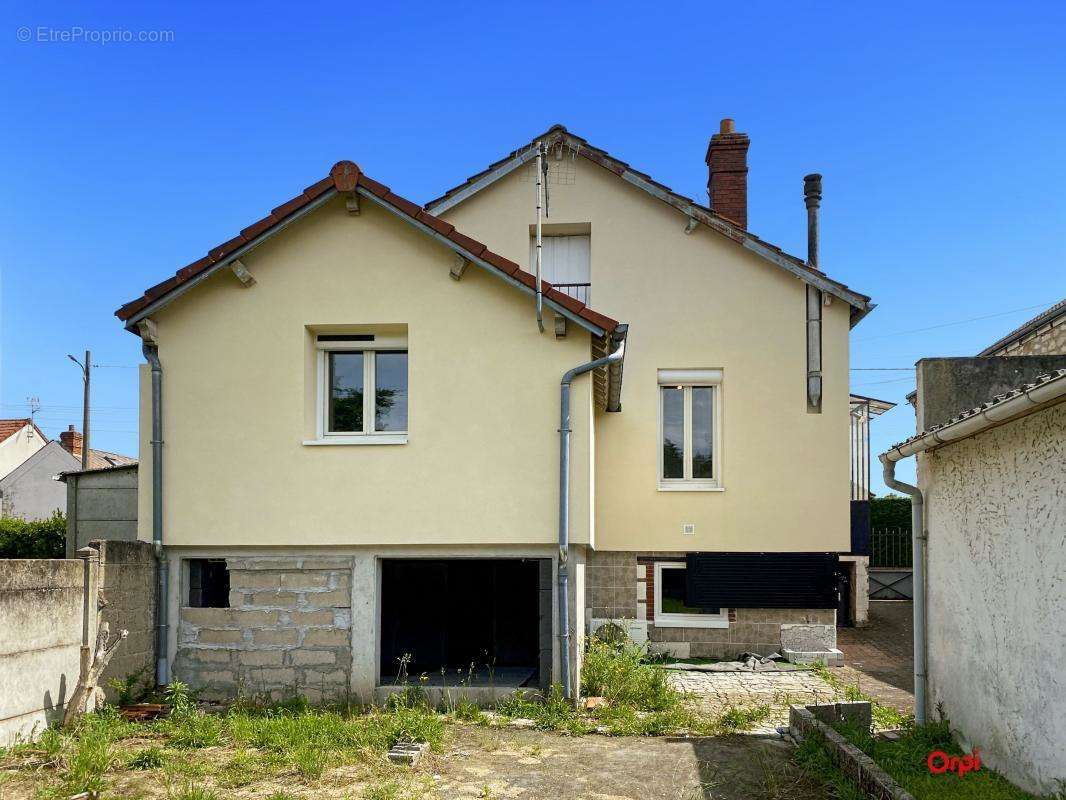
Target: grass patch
[(884, 717)]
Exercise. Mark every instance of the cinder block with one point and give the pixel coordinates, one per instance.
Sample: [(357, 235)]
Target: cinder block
[(301, 581), (249, 579), (308, 618), (225, 676), (337, 598), (327, 563), (278, 598), (213, 636), (285, 637), (211, 617), (206, 655), (285, 676), (303, 658), (327, 638), (261, 658), (256, 619)]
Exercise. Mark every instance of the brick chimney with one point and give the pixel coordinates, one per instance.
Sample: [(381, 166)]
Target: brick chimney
[(727, 173), (70, 440)]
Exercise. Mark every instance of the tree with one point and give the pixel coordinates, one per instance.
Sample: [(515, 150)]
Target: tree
[(890, 511)]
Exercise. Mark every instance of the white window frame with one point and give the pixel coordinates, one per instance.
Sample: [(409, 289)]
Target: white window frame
[(688, 379), (368, 436), (663, 620)]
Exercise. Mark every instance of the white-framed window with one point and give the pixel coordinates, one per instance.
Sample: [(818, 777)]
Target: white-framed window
[(670, 608), (362, 389), (690, 416)]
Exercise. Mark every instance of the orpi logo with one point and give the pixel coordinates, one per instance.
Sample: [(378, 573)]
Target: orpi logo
[(940, 762)]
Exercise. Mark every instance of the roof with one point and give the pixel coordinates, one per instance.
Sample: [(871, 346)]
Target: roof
[(860, 303), (1032, 326), (346, 178), (101, 459), (9, 427), (1047, 388), (877, 407), (130, 465)]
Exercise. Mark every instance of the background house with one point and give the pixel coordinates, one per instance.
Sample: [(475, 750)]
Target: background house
[(19, 439), (32, 491), (991, 450)]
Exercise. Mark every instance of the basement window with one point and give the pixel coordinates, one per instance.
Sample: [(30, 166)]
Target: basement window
[(670, 608), (362, 389), (208, 583)]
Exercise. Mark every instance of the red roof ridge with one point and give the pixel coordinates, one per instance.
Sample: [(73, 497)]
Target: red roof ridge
[(345, 177)]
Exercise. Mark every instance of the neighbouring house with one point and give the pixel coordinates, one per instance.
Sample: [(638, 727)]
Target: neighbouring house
[(19, 439), (387, 453), (33, 491), (101, 503), (991, 495)]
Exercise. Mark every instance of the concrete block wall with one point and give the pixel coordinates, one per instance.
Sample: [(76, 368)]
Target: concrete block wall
[(288, 631), (42, 605), (621, 586), (127, 601)]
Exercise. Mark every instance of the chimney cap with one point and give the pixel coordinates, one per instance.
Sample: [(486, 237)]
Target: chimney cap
[(727, 126), (70, 427)]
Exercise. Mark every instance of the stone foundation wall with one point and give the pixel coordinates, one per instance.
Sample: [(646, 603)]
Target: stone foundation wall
[(127, 599), (621, 586), (287, 631)]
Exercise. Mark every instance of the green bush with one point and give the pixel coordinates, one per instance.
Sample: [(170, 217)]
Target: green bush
[(46, 538), (619, 671), (890, 512)]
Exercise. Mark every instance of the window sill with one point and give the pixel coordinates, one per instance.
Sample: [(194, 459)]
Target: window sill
[(689, 487), (397, 438), (684, 621)]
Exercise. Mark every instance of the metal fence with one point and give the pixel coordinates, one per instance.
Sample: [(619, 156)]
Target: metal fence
[(891, 548)]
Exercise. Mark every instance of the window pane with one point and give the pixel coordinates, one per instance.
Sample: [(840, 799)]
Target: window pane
[(702, 426), (673, 432), (346, 392), (390, 399), (672, 594)]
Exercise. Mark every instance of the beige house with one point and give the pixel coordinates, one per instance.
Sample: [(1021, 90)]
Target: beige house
[(358, 461), (19, 439)]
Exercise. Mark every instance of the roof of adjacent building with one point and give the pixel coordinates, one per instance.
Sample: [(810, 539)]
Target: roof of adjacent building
[(877, 407), (346, 178), (9, 427), (559, 134), (998, 400), (1032, 326), (129, 465), (102, 459)]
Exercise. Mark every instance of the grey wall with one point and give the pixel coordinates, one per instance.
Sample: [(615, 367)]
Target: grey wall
[(42, 613), (30, 492), (996, 516), (101, 505), (40, 639), (948, 386)]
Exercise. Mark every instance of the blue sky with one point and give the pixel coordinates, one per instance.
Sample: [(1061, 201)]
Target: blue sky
[(938, 128)]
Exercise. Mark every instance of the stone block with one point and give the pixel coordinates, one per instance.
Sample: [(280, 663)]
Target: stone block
[(304, 658), (260, 563), (275, 637), (301, 581), (312, 618), (337, 677), (214, 636), (327, 638), (285, 676), (226, 676), (249, 579), (207, 655), (210, 617), (255, 619), (261, 658), (278, 598), (673, 649), (337, 598), (808, 637), (327, 563)]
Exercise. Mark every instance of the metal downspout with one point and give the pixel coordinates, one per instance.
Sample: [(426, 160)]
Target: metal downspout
[(564, 511), (918, 579), (151, 355)]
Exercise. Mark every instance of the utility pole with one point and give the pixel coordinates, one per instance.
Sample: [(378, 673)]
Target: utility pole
[(86, 371)]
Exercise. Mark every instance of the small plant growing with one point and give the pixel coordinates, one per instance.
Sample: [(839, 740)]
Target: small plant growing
[(134, 688), (149, 758)]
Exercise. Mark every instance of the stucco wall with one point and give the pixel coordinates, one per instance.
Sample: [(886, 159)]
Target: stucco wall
[(29, 492), (696, 301), (481, 464), (17, 448), (997, 596)]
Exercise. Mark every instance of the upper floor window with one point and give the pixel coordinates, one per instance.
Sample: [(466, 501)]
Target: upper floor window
[(565, 263), (362, 388), (689, 425)]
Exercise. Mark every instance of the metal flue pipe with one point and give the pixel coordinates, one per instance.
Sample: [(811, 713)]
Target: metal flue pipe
[(564, 511), (162, 669), (540, 209)]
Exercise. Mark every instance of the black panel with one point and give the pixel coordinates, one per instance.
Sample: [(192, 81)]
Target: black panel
[(761, 580), (860, 527)]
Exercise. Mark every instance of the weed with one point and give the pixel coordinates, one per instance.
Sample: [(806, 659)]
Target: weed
[(554, 713), (133, 688), (469, 711), (619, 671), (192, 792), (382, 791), (193, 729), (736, 720), (884, 717), (149, 758), (310, 762)]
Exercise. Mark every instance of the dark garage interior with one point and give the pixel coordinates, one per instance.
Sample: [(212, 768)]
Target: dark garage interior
[(452, 615)]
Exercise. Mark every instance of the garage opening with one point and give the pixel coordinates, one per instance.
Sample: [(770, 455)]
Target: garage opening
[(476, 622)]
